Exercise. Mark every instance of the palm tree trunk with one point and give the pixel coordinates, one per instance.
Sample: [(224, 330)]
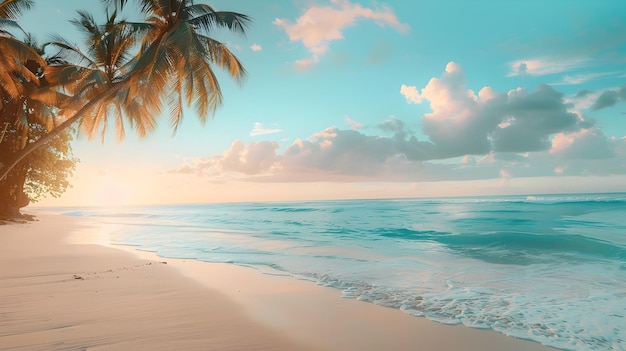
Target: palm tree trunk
[(4, 171)]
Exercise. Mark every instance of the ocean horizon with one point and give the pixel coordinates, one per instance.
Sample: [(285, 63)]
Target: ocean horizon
[(548, 268)]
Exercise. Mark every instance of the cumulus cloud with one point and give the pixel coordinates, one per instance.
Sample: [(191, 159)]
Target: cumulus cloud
[(251, 159), (258, 129), (318, 26), (484, 135), (342, 151), (393, 124), (609, 98), (589, 143), (464, 123), (334, 154), (411, 94), (254, 158)]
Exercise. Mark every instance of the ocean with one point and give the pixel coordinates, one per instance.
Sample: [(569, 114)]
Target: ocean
[(549, 268)]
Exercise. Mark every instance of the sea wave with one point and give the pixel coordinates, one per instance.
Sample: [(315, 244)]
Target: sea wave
[(550, 268)]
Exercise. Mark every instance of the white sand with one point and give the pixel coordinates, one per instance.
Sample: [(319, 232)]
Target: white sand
[(57, 295)]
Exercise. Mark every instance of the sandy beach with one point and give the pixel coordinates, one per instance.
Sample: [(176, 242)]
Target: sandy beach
[(61, 290)]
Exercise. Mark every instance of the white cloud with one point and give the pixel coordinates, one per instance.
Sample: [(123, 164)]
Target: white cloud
[(489, 135), (411, 94), (463, 123), (256, 47), (348, 155), (258, 129), (251, 159), (544, 66), (318, 26)]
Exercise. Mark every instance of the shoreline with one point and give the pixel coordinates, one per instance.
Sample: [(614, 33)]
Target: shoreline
[(134, 300)]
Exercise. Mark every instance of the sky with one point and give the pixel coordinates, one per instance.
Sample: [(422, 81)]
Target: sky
[(349, 99)]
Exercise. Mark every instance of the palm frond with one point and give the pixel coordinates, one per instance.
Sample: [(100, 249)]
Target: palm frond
[(12, 9), (223, 57), (120, 132), (176, 105), (6, 25), (118, 4), (70, 52), (207, 19)]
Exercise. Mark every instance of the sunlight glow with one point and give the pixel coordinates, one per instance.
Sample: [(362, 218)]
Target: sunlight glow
[(112, 191)]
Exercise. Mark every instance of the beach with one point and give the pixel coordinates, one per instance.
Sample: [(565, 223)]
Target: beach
[(60, 289)]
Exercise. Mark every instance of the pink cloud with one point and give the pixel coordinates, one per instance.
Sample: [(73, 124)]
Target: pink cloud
[(587, 143), (251, 159), (353, 124), (411, 94), (320, 25)]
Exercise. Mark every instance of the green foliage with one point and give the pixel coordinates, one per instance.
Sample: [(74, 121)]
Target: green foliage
[(49, 166)]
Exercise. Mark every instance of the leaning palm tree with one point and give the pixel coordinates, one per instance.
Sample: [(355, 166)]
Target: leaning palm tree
[(175, 60)]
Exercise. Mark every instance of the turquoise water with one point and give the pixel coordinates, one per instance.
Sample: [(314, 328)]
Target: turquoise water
[(546, 268)]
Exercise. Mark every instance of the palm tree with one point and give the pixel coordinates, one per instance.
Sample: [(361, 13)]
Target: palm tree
[(101, 74), (175, 60), (178, 54)]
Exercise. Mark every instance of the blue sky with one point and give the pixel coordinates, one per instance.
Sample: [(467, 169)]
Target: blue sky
[(363, 99)]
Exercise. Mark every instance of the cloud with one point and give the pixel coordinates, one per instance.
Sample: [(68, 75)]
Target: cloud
[(544, 66), (353, 124), (580, 78), (255, 158), (589, 143), (256, 47), (318, 26), (463, 123), (258, 129), (609, 98), (411, 94), (307, 63), (252, 159), (348, 156), (488, 135), (393, 124), (346, 152)]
